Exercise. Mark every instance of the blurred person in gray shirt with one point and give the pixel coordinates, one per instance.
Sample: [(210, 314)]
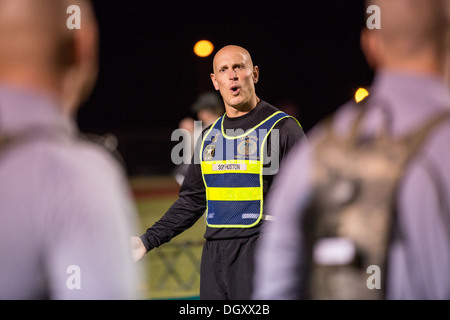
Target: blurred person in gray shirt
[(66, 214), (408, 56)]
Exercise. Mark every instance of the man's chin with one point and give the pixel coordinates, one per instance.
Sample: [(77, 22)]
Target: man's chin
[(237, 101)]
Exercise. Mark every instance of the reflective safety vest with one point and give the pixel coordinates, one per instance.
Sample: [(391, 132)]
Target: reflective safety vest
[(232, 170)]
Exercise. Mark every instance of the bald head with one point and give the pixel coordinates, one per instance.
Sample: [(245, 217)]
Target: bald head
[(36, 47), (413, 34), (232, 49), (31, 32)]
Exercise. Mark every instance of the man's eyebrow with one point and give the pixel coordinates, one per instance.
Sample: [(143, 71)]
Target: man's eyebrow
[(222, 67), (238, 64)]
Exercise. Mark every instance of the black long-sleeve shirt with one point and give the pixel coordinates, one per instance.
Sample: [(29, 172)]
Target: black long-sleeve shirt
[(191, 204)]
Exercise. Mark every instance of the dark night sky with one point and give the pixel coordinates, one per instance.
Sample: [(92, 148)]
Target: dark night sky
[(307, 52)]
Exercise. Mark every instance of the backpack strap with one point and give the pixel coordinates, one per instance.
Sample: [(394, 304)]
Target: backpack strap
[(9, 141), (6, 142), (415, 139)]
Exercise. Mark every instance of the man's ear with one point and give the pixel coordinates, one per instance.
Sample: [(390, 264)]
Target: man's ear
[(214, 81), (255, 74), (371, 46)]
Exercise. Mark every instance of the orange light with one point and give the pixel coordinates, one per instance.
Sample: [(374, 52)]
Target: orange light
[(203, 48), (360, 94)]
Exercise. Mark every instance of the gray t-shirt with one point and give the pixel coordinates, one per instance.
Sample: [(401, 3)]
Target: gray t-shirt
[(66, 214)]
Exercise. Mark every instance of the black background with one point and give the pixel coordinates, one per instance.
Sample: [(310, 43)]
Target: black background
[(308, 52)]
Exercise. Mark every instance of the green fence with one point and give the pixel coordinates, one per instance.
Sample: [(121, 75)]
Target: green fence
[(175, 270), (172, 270)]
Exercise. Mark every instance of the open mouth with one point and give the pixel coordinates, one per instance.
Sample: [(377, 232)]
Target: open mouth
[(235, 90)]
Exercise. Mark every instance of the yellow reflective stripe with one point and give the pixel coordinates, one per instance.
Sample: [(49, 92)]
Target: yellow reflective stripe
[(230, 226), (252, 166), (234, 194)]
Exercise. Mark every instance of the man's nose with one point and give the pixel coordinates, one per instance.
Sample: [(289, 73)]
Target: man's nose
[(232, 75)]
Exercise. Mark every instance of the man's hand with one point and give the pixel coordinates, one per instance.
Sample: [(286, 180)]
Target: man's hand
[(138, 249)]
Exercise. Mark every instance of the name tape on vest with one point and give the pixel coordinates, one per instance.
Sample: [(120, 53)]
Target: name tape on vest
[(230, 166)]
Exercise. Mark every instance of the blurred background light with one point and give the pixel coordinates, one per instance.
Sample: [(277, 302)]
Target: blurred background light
[(203, 48), (360, 94)]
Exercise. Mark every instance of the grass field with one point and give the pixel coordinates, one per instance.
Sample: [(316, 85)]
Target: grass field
[(172, 270)]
